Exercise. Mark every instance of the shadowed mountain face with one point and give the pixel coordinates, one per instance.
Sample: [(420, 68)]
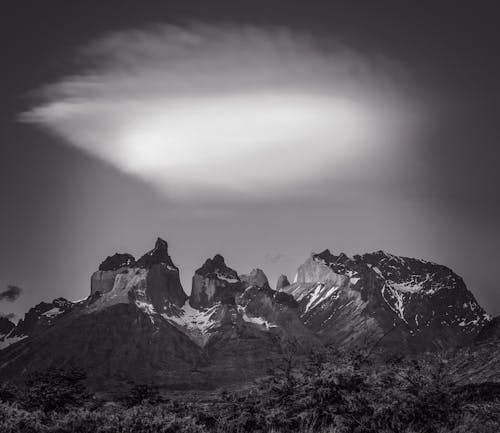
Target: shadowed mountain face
[(6, 327), (138, 323)]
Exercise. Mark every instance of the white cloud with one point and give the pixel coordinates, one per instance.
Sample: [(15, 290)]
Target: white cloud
[(205, 110)]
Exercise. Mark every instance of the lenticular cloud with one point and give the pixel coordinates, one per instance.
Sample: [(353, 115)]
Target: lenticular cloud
[(244, 111)]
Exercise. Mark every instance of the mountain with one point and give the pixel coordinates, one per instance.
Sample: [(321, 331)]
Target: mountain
[(37, 319), (241, 324), (397, 302), (117, 332), (138, 323)]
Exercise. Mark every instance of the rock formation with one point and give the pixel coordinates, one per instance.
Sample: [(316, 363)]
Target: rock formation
[(282, 282)]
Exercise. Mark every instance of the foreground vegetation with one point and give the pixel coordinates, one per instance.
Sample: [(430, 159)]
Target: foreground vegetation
[(329, 393)]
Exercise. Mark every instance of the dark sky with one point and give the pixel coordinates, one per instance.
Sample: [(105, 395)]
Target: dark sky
[(62, 210)]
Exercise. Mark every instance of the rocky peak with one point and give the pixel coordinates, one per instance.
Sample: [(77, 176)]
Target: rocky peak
[(214, 282), (337, 263), (117, 261), (41, 316), (158, 255), (282, 282), (217, 268), (152, 283), (256, 277)]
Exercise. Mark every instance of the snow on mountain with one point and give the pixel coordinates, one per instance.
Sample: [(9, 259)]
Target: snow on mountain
[(420, 303), (139, 322)]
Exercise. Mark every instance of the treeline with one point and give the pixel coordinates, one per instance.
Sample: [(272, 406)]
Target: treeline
[(328, 392)]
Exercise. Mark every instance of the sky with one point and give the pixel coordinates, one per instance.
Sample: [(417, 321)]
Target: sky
[(262, 131)]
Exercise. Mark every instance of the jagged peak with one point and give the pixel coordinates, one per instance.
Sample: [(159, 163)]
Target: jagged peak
[(161, 244), (159, 254), (256, 277), (328, 258), (117, 261), (282, 282), (218, 267), (218, 260), (326, 252)]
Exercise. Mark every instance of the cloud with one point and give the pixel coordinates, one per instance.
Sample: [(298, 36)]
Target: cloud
[(231, 111), (9, 316), (10, 294)]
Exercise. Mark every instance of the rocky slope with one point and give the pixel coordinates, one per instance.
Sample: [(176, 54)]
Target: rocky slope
[(399, 302), (36, 320)]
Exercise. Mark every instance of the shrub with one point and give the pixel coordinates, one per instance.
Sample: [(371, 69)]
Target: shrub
[(55, 390)]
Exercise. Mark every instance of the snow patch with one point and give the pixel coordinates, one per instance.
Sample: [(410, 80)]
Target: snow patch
[(228, 279), (6, 342), (319, 295), (193, 319), (407, 287), (398, 298), (146, 307), (257, 320), (54, 312)]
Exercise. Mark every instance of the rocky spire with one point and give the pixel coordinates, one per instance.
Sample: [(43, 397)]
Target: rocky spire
[(159, 254), (214, 282), (217, 266), (256, 277), (282, 282)]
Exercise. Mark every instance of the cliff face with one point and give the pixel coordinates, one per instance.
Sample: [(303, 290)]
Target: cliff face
[(151, 282), (214, 282)]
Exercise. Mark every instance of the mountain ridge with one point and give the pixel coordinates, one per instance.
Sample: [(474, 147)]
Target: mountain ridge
[(233, 322)]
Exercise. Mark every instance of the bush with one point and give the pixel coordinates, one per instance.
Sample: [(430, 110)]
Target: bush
[(141, 393), (55, 390)]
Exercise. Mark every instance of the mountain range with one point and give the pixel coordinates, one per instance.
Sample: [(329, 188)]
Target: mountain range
[(139, 324)]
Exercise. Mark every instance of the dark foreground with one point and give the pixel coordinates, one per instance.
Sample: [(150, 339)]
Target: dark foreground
[(359, 393)]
